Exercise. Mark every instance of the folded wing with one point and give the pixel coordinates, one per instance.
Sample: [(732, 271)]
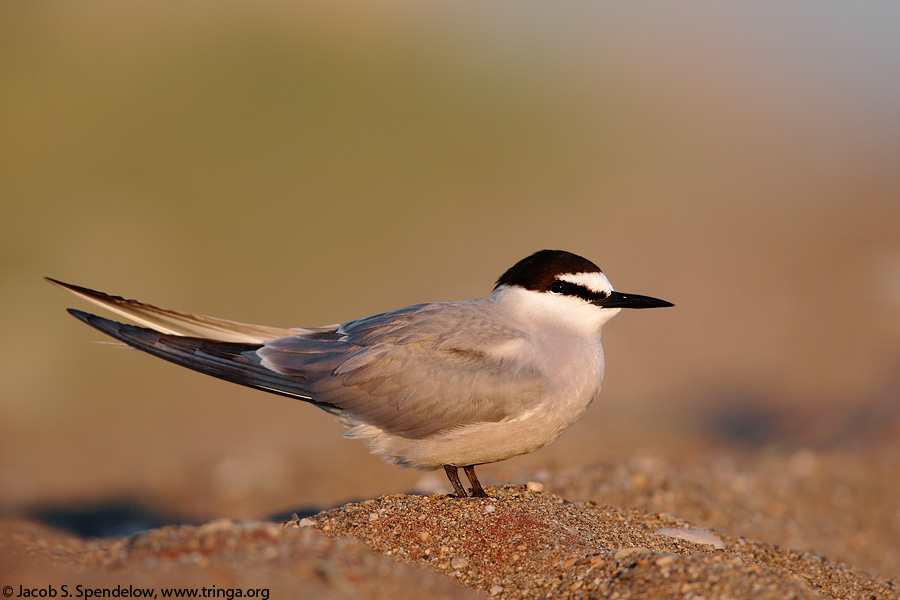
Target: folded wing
[(414, 372)]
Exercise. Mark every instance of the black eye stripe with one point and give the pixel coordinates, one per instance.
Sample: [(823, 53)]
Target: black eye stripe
[(580, 291)]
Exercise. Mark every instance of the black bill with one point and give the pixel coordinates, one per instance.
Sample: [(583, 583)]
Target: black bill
[(620, 300)]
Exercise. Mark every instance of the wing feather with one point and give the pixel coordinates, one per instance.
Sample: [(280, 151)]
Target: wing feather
[(232, 361), (176, 323), (416, 371), (413, 372)]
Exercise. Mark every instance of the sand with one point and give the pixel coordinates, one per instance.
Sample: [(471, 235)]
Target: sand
[(711, 531)]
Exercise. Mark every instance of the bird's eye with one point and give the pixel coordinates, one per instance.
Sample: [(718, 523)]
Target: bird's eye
[(558, 287)]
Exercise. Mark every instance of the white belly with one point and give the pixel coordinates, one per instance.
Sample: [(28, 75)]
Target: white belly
[(568, 392)]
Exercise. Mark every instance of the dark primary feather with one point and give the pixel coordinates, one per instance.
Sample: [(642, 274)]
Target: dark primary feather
[(413, 372), (174, 322), (232, 361)]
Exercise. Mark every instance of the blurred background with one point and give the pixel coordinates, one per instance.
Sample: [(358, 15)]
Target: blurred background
[(288, 165)]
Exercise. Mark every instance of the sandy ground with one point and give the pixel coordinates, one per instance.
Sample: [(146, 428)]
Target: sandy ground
[(645, 528)]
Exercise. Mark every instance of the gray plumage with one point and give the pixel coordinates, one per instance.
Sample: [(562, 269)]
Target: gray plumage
[(450, 384)]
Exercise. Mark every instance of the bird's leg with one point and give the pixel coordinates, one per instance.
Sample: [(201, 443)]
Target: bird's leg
[(477, 490), (453, 476)]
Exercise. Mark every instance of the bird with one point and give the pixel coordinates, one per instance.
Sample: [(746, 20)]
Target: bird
[(437, 385)]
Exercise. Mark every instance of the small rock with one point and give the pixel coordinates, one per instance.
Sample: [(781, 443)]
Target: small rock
[(495, 589), (423, 536), (489, 508), (693, 535), (459, 562), (534, 486), (217, 525), (373, 516), (626, 552), (305, 522), (430, 483)]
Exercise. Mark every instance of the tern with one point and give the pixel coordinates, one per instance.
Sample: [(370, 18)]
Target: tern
[(444, 384)]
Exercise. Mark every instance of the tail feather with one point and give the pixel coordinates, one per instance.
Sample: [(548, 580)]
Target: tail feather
[(236, 362), (177, 323)]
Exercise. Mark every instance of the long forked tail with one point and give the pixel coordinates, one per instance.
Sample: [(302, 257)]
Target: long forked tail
[(177, 323), (236, 362)]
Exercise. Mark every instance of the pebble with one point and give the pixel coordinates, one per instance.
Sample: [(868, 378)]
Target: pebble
[(556, 545), (534, 486), (489, 508), (430, 483), (692, 535), (626, 552), (217, 525)]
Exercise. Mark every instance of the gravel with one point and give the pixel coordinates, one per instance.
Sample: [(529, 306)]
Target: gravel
[(535, 545), (519, 543)]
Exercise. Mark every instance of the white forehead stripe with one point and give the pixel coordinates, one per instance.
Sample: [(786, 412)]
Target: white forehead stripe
[(596, 282)]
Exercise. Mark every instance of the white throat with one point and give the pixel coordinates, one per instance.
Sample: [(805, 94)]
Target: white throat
[(534, 310)]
